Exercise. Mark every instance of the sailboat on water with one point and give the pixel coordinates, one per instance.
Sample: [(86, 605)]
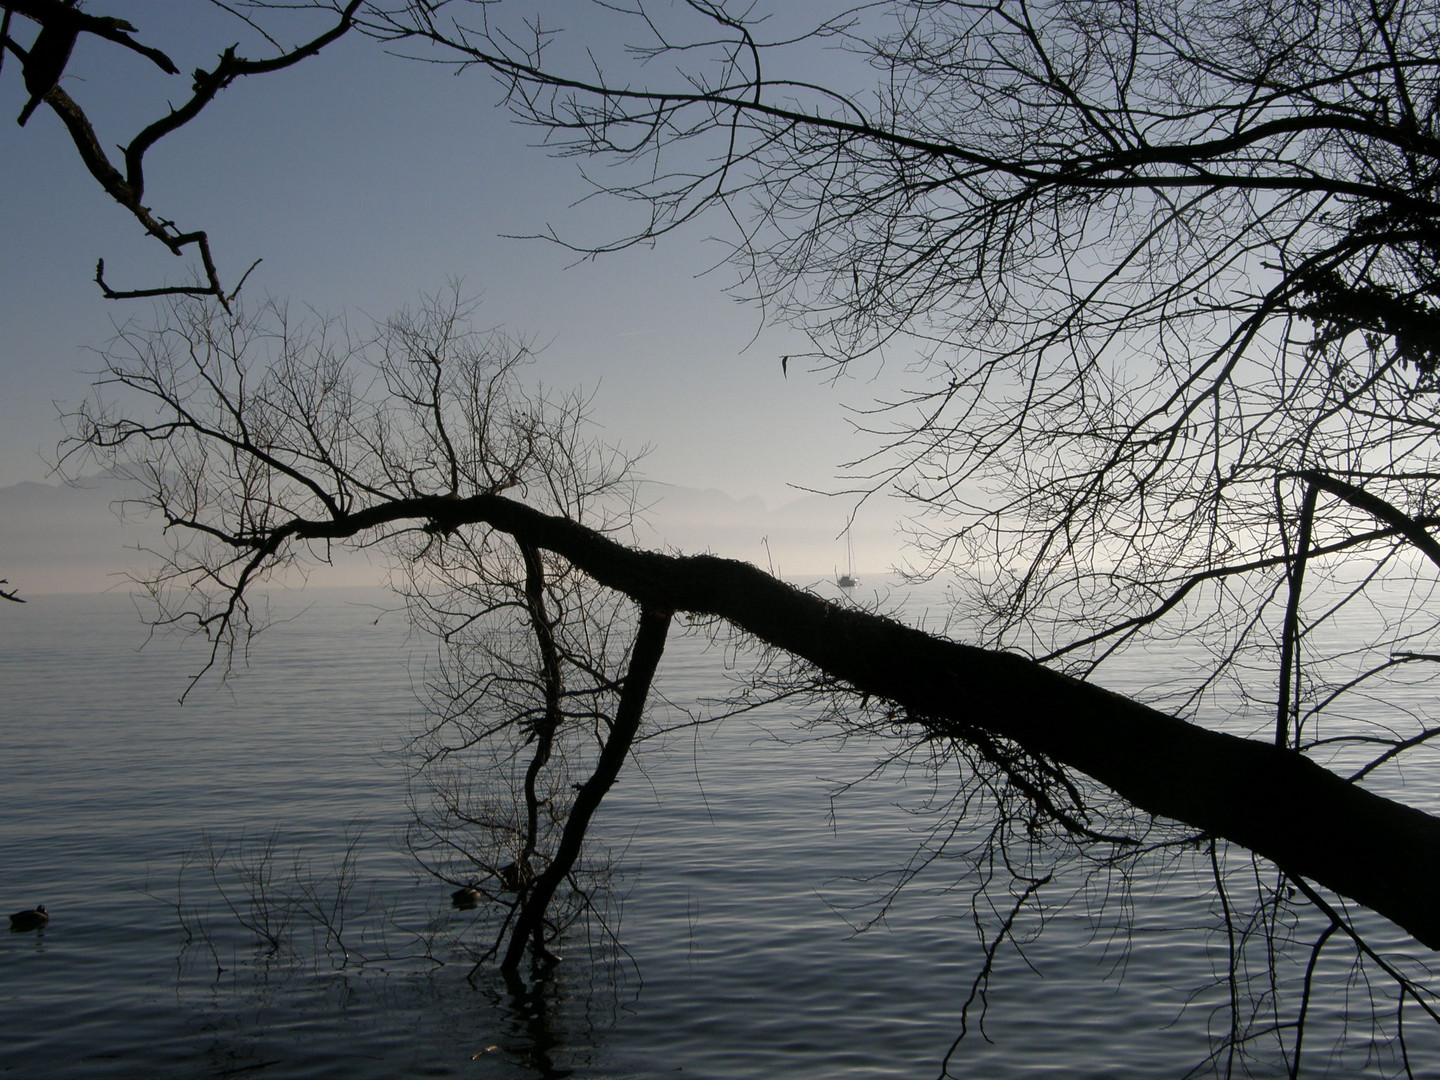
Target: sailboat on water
[(847, 579)]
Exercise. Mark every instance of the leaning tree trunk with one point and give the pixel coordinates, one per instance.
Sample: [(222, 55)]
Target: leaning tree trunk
[(1279, 804)]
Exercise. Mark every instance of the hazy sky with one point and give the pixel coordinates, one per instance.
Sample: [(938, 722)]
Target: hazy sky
[(363, 180)]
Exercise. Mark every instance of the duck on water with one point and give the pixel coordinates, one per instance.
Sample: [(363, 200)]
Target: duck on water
[(30, 920), (513, 877)]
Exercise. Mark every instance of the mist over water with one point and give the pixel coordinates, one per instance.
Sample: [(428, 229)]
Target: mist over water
[(69, 539), (756, 929)]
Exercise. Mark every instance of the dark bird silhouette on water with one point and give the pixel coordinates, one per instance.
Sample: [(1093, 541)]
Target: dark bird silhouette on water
[(46, 60), (30, 920), (466, 898), (514, 876)]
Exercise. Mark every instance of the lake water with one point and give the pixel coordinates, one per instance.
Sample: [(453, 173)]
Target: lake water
[(742, 877)]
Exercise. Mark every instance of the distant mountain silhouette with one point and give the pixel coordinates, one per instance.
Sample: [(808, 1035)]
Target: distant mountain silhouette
[(59, 538)]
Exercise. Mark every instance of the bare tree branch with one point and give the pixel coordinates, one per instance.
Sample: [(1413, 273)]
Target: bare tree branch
[(127, 187)]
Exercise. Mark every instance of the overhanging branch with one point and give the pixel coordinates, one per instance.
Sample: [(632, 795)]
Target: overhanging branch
[(1308, 821)]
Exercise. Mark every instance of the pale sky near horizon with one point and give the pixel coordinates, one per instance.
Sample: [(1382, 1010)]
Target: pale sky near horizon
[(363, 181)]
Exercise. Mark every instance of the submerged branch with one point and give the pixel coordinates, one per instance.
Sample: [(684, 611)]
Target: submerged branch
[(644, 658)]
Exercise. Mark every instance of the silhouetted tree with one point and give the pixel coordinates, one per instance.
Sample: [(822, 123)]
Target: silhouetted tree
[(263, 446), (61, 22), (1165, 274), (1166, 269), (536, 663)]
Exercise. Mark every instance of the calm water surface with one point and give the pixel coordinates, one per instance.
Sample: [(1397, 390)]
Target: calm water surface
[(742, 884)]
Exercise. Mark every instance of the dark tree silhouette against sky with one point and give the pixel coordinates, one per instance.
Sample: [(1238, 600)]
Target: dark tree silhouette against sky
[(1162, 278)]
